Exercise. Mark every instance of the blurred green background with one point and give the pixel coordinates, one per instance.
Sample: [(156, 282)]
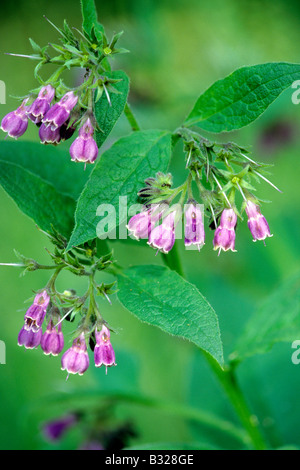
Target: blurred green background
[(178, 48)]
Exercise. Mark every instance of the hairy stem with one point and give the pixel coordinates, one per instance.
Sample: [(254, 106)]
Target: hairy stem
[(131, 118), (228, 380)]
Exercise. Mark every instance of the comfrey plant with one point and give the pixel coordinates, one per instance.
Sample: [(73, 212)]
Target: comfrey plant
[(218, 190)]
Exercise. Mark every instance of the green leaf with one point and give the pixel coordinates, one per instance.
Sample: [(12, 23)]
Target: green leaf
[(50, 163), (277, 320), (160, 297), (241, 97), (107, 115), (37, 198), (120, 171), (37, 49), (89, 15)]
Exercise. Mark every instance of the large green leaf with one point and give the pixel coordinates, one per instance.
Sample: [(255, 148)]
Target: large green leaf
[(89, 15), (160, 297), (38, 198), (241, 97), (278, 320), (120, 171), (107, 114), (52, 164)]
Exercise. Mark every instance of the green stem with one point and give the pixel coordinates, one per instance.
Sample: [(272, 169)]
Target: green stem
[(52, 280), (226, 377), (189, 187), (131, 118), (228, 380), (55, 76)]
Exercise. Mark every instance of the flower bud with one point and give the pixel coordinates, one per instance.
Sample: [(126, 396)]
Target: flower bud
[(224, 238), (76, 359), (84, 148), (60, 112), (52, 341), (257, 223), (162, 237), (15, 123), (41, 105), (194, 228), (103, 352)]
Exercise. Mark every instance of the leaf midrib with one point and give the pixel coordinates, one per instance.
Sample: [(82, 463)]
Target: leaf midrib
[(220, 111), (176, 309)]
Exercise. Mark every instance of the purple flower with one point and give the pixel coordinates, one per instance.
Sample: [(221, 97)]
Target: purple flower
[(15, 123), (29, 338), (60, 112), (84, 148), (140, 225), (162, 237), (34, 318), (48, 136), (104, 354), (41, 105), (31, 334), (194, 227), (76, 359), (224, 238), (257, 223), (35, 315), (53, 340), (53, 430)]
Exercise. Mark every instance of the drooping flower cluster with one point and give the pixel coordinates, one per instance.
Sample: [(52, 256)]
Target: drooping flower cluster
[(56, 123), (157, 221), (161, 236), (55, 108), (76, 359)]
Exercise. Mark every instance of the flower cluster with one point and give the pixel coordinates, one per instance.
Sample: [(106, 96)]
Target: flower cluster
[(157, 221), (76, 359), (56, 123), (158, 225), (55, 108)]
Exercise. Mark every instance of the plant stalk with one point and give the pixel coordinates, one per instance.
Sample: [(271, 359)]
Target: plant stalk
[(131, 118), (226, 377)]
